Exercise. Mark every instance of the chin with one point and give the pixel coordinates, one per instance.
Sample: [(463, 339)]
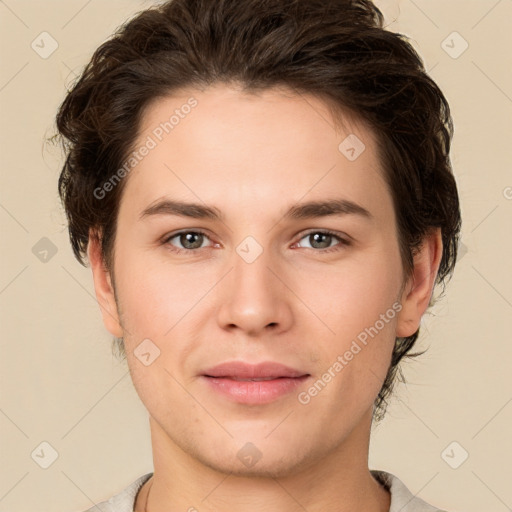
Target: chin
[(254, 459), (274, 467)]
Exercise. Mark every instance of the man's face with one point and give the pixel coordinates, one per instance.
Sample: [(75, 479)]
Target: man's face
[(258, 285)]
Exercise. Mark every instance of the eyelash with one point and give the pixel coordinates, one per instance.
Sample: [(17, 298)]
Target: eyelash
[(177, 250)]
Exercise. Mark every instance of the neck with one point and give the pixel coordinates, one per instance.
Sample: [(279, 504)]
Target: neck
[(337, 480)]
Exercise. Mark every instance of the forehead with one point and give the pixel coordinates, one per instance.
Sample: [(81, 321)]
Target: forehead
[(222, 144), (230, 108)]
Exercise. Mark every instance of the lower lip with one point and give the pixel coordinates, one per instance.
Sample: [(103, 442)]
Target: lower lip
[(255, 392)]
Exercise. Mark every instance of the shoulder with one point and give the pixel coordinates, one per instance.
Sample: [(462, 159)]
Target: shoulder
[(402, 499), (124, 501)]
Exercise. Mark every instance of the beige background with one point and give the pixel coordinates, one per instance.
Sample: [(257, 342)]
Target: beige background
[(59, 381)]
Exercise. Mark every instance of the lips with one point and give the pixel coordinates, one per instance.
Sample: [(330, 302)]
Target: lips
[(241, 371), (253, 384)]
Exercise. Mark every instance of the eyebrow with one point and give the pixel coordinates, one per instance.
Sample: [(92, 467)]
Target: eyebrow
[(309, 210)]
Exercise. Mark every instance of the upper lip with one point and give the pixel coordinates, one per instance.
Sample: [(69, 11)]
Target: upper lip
[(244, 370)]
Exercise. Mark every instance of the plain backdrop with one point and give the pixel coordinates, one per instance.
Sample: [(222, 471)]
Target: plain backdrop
[(447, 432)]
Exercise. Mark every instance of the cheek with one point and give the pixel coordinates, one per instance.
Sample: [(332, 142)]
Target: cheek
[(155, 296), (166, 304), (156, 387), (361, 309), (352, 297)]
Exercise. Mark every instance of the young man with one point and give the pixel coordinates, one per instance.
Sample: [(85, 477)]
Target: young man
[(264, 193)]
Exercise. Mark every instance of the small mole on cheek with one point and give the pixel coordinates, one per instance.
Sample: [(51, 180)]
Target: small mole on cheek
[(314, 359)]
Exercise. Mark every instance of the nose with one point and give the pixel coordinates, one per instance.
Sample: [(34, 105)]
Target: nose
[(255, 298)]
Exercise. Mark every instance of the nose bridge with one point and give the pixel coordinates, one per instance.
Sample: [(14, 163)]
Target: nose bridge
[(253, 281), (252, 263)]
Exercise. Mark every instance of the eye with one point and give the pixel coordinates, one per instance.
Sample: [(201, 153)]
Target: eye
[(189, 240), (322, 240)]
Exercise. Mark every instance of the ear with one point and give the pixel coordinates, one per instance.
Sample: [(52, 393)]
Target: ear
[(418, 290), (103, 286)]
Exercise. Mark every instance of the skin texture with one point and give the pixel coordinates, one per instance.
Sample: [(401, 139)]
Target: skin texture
[(252, 157)]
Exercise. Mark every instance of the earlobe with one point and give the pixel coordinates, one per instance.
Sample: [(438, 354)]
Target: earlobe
[(418, 292), (103, 287)]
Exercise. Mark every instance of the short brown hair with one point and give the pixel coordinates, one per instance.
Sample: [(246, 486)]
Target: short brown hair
[(336, 50)]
